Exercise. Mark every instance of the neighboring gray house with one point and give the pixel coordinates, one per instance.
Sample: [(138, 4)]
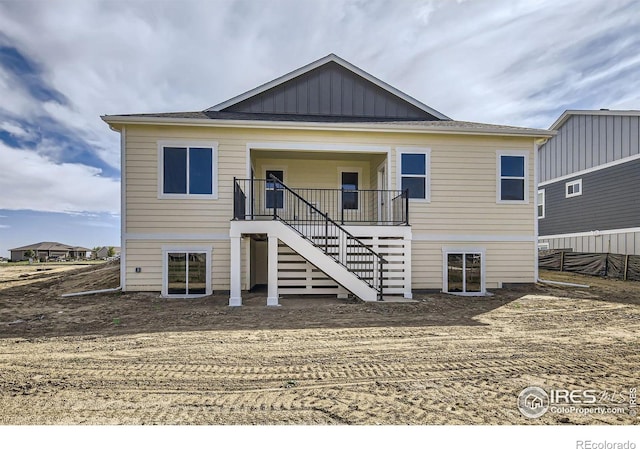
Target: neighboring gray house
[(589, 183), (45, 251), (103, 252)]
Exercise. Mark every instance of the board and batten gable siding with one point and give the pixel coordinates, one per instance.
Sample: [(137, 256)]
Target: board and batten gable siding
[(463, 200), (586, 141), (610, 200), (330, 90)]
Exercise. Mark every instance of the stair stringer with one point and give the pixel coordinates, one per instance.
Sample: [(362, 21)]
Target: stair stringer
[(325, 263)]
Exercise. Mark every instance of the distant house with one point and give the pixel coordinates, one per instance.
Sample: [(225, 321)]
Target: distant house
[(103, 252), (45, 251), (589, 183)]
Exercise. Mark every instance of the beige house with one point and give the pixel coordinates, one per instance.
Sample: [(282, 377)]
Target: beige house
[(46, 251), (325, 181)]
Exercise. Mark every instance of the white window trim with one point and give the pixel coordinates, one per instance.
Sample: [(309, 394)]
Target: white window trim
[(446, 250), (188, 144), (542, 246), (542, 203), (208, 250), (415, 150), (521, 153), (357, 170), (575, 182)]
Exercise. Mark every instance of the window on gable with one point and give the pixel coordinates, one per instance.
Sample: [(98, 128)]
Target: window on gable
[(541, 195), (188, 170), (413, 173), (513, 178), (573, 188)]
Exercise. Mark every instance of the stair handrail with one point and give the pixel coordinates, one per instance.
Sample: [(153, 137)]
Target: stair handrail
[(381, 260)]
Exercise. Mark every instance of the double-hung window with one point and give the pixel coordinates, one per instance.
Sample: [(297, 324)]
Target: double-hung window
[(413, 168), (573, 188), (187, 170), (512, 177), (541, 198)]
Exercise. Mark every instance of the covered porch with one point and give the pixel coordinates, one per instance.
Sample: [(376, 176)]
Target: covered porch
[(348, 235), (350, 187)]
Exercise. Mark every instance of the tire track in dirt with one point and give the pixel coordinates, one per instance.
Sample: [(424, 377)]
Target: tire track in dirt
[(385, 375)]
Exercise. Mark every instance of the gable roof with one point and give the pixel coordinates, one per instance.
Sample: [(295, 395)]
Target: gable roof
[(571, 112), (284, 103), (324, 79)]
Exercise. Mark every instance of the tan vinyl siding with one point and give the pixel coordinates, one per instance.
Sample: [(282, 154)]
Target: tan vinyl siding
[(506, 262), (326, 173), (463, 190), (463, 184), (147, 255), (463, 195)]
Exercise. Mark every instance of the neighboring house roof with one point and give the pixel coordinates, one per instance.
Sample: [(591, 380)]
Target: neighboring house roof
[(79, 248), (116, 249), (46, 246), (257, 108), (570, 112)]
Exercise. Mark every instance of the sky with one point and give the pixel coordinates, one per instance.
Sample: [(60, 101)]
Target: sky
[(64, 63)]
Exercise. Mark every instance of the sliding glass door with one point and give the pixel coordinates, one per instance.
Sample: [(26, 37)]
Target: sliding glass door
[(186, 273), (464, 272)]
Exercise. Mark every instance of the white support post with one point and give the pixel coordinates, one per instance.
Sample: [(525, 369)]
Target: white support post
[(407, 268), (235, 297), (272, 289)]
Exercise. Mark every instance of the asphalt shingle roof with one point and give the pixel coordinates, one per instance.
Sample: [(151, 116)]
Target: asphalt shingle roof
[(424, 124)]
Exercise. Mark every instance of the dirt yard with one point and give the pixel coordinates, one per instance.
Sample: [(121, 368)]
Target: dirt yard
[(139, 359)]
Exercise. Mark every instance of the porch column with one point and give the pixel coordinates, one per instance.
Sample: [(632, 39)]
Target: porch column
[(272, 289), (407, 268), (235, 298)]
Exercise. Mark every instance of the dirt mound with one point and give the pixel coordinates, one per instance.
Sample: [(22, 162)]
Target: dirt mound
[(93, 278)]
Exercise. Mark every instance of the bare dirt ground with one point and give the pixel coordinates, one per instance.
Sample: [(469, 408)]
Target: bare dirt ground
[(139, 359)]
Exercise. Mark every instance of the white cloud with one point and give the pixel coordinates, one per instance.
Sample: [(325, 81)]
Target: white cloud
[(14, 129), (518, 62), (29, 180)]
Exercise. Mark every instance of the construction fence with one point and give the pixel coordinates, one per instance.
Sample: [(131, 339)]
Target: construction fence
[(617, 266)]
